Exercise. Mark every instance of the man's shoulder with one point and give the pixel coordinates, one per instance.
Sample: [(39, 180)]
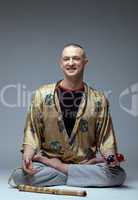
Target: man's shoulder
[(42, 91), (46, 87), (98, 95), (97, 92)]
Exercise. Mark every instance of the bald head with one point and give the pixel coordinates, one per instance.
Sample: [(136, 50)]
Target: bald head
[(77, 46), (73, 61)]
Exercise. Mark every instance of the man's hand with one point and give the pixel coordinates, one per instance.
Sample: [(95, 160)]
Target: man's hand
[(27, 164), (112, 161)]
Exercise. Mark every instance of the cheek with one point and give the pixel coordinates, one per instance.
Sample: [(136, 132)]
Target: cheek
[(62, 66), (80, 66)]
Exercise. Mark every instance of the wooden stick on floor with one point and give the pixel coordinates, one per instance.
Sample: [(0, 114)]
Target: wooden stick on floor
[(46, 190)]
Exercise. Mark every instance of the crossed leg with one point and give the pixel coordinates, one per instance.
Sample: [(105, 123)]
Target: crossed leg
[(45, 176), (98, 175)]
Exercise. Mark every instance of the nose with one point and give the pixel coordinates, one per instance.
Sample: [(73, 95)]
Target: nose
[(71, 61)]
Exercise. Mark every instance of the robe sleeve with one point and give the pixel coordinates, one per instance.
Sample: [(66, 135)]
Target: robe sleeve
[(33, 123), (106, 142)]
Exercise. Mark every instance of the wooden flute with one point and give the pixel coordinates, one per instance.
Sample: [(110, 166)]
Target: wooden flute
[(46, 190)]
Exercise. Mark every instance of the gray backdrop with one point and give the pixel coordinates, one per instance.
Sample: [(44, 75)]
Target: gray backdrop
[(32, 34)]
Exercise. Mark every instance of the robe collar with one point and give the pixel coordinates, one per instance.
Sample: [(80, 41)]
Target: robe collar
[(81, 109)]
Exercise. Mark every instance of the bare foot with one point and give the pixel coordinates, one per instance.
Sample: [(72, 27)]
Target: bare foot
[(57, 164), (53, 162), (37, 157)]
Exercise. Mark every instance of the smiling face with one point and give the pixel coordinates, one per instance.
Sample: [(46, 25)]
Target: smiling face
[(73, 61)]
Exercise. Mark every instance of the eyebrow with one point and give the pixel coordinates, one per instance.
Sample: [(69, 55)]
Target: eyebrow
[(71, 57)]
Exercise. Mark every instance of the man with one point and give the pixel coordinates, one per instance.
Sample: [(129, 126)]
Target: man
[(68, 126)]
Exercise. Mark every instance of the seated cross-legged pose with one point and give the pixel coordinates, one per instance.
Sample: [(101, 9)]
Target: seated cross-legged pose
[(69, 137)]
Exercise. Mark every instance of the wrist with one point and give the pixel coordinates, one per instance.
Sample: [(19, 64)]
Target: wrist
[(28, 151), (28, 155)]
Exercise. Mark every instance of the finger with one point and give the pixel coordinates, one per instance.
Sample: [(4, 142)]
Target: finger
[(24, 164), (28, 167), (98, 160), (31, 168), (27, 162), (113, 164), (92, 161), (83, 162), (30, 171)]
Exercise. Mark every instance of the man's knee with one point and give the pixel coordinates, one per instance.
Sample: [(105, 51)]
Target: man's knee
[(19, 177), (46, 176), (118, 176)]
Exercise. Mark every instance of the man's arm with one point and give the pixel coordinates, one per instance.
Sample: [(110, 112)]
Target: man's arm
[(31, 141), (106, 142), (27, 159)]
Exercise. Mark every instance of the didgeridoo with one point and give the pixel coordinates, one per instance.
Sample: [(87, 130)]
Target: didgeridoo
[(46, 190)]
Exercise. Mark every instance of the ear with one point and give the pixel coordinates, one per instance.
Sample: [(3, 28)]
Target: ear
[(86, 61)]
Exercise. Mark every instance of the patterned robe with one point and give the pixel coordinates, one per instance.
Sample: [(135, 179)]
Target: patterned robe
[(92, 132)]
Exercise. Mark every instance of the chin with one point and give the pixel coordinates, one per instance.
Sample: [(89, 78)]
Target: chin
[(71, 74)]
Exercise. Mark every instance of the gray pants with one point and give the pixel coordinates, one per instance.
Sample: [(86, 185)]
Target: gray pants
[(98, 175)]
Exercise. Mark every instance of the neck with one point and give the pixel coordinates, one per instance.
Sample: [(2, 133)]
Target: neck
[(72, 84)]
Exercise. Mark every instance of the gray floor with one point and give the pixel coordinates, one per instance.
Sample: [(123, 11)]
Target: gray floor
[(129, 190)]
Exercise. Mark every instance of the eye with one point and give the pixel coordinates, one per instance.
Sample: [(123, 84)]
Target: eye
[(65, 58), (77, 58)]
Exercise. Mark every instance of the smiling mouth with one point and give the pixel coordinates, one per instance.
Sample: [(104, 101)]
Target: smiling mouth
[(71, 69)]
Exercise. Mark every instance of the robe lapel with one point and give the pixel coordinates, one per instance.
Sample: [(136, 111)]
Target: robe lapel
[(80, 112)]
